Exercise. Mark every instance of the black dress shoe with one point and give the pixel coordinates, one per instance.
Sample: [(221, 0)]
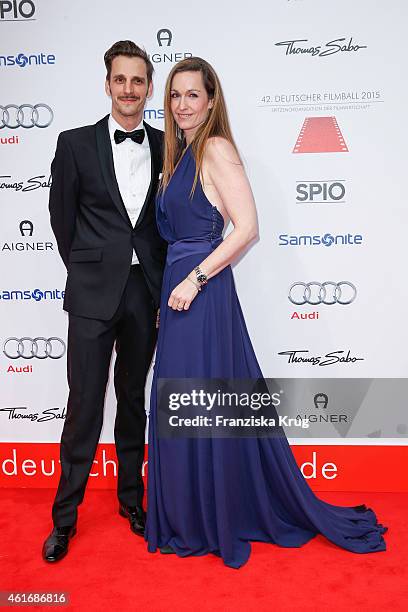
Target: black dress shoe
[(136, 517), (56, 545)]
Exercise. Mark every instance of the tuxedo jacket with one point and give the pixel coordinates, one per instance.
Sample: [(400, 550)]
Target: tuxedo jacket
[(93, 231)]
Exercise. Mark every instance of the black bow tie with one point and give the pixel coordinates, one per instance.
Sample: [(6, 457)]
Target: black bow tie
[(136, 136)]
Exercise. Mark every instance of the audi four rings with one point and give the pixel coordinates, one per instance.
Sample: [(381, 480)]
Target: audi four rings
[(38, 348), (315, 293), (25, 116)]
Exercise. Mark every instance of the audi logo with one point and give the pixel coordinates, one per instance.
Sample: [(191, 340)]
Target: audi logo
[(328, 293), (30, 348), (25, 116)]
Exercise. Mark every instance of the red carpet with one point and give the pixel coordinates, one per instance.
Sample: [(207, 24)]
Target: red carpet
[(108, 567)]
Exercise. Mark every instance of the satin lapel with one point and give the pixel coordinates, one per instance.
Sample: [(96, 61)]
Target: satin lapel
[(155, 169), (104, 148)]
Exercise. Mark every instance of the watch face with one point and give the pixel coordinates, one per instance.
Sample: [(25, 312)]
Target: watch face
[(201, 277)]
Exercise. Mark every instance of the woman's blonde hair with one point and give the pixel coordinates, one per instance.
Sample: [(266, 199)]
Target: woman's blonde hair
[(216, 124)]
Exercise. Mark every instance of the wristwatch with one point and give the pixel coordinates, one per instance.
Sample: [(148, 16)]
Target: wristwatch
[(201, 277)]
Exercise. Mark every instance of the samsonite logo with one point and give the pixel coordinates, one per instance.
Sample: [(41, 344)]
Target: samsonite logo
[(36, 295), (22, 60), (326, 240)]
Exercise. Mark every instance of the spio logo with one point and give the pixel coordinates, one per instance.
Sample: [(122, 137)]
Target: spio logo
[(324, 192), (164, 35), (26, 228), (19, 10)]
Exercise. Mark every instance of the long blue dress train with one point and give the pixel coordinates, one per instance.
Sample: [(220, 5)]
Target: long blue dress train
[(216, 495)]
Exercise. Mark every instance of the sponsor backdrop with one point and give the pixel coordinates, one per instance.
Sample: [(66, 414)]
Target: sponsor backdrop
[(315, 95)]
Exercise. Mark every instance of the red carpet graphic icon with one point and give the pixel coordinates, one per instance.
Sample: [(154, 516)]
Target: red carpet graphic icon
[(320, 135)]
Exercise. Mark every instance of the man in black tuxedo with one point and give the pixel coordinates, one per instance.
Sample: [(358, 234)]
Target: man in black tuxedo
[(102, 208)]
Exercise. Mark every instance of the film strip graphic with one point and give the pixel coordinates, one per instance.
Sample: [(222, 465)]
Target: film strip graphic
[(320, 135)]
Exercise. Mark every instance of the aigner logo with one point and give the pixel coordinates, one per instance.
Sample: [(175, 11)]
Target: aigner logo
[(321, 400), (164, 39), (330, 48), (164, 35), (17, 10), (26, 228)]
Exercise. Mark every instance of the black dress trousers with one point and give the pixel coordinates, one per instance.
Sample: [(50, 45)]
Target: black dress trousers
[(90, 345)]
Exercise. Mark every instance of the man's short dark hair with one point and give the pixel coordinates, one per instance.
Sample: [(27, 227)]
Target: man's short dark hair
[(129, 49)]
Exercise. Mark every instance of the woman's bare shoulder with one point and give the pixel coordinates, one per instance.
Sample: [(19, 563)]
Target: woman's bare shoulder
[(220, 150)]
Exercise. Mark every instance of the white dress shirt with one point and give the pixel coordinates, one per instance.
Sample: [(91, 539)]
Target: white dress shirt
[(132, 163)]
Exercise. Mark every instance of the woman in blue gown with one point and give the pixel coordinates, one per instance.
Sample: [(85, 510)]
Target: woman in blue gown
[(215, 495)]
